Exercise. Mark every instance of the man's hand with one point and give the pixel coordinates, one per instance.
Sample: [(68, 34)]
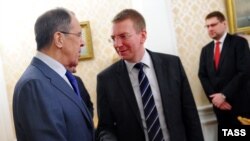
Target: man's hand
[(217, 99), (225, 106)]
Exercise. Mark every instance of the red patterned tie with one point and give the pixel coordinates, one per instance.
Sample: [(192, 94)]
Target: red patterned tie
[(217, 54)]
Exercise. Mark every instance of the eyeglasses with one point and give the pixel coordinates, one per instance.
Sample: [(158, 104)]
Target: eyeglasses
[(122, 37), (76, 34), (211, 25)]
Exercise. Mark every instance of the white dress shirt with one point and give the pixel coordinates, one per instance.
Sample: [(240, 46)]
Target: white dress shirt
[(222, 39), (54, 65), (150, 72)]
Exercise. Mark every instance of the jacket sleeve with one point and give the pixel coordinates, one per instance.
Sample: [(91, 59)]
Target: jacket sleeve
[(37, 113), (106, 124), (203, 75), (242, 53), (190, 113)]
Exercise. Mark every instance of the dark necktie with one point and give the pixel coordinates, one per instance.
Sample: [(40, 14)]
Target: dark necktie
[(150, 111), (73, 82), (217, 55)]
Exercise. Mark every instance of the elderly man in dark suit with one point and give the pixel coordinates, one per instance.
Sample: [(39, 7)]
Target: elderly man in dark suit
[(46, 103), (224, 71), (146, 95)]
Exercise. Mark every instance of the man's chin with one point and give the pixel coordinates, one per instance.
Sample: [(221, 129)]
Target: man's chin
[(76, 61), (123, 55), (74, 64), (213, 36)]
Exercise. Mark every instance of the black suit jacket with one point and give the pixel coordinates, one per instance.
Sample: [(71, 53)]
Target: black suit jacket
[(232, 74), (118, 112), (85, 95)]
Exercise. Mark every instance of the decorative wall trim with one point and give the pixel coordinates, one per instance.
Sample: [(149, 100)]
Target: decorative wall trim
[(206, 114), (208, 122)]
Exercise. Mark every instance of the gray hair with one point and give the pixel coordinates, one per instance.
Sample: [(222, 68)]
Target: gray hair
[(47, 24)]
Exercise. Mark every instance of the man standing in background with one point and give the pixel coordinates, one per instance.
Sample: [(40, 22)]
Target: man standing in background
[(46, 103), (224, 71)]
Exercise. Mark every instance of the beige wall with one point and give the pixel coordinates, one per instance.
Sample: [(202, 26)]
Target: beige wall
[(188, 23)]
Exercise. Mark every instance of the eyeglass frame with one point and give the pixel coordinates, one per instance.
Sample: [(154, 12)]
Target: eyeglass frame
[(212, 25), (122, 37), (76, 34)]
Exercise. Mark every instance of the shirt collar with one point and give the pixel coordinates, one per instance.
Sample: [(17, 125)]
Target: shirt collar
[(52, 63), (145, 60), (221, 39)]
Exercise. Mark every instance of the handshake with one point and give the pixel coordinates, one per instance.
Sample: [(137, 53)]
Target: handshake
[(243, 120)]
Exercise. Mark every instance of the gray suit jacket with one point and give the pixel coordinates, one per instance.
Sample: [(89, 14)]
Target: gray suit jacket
[(85, 95), (118, 112), (45, 108)]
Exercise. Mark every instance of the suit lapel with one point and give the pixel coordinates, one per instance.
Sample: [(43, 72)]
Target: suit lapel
[(161, 72), (224, 50), (127, 89), (59, 83), (69, 92), (226, 44), (210, 57)]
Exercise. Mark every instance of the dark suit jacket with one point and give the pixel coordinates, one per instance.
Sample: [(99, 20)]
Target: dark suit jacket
[(118, 112), (45, 108), (232, 74), (85, 95)]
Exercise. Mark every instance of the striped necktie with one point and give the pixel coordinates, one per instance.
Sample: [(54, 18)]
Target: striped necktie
[(150, 111)]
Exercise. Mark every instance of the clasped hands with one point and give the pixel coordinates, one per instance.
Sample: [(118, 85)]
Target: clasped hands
[(219, 101)]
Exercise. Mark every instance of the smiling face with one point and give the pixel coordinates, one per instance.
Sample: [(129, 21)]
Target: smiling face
[(215, 28), (127, 42)]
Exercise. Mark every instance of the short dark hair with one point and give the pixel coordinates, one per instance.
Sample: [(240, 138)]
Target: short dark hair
[(47, 24), (135, 16), (216, 14)]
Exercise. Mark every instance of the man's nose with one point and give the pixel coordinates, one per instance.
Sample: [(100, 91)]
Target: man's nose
[(117, 42)]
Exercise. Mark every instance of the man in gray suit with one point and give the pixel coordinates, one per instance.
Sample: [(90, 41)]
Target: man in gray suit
[(156, 105), (45, 105)]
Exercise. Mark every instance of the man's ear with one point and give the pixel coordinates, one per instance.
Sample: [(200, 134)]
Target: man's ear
[(58, 39), (225, 23), (143, 36)]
